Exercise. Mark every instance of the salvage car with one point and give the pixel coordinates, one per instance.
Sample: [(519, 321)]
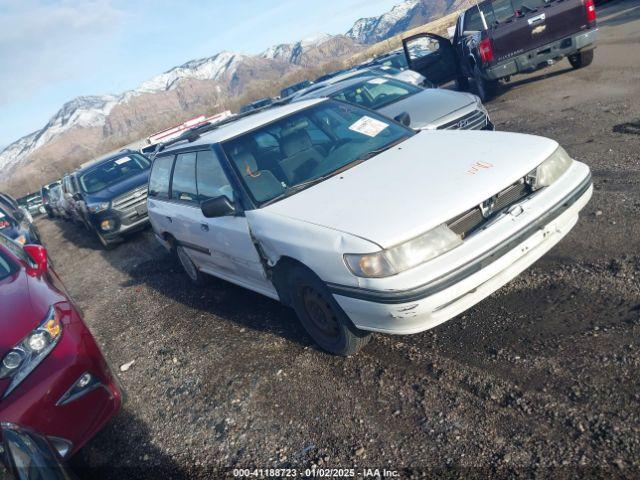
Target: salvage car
[(68, 199), (112, 194), (423, 109), (46, 201), (497, 39), (53, 377), (16, 226), (358, 222), (29, 455)]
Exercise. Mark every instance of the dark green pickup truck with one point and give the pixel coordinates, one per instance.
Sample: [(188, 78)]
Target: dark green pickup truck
[(496, 39)]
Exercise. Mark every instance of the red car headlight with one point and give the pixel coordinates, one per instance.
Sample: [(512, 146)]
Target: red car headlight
[(32, 350)]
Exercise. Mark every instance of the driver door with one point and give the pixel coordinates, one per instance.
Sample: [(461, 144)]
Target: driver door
[(432, 56)]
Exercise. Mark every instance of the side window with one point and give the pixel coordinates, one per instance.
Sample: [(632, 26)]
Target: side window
[(183, 186), (160, 175), (212, 181)]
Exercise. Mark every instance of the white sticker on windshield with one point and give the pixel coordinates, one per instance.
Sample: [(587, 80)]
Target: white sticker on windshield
[(377, 81), (368, 126), (122, 160)]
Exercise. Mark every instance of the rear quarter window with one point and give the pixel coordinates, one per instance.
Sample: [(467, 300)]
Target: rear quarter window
[(160, 177)]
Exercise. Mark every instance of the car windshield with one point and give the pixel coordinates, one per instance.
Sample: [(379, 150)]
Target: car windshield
[(376, 92), (113, 171), (301, 149)]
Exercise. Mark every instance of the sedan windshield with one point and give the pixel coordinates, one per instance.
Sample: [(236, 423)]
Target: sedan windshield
[(301, 149), (376, 92), (113, 171)]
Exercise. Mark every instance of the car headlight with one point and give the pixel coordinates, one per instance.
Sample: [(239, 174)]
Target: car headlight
[(550, 170), (404, 256), (98, 207), (22, 359)]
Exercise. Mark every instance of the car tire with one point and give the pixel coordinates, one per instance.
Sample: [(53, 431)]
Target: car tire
[(321, 316), (581, 59), (486, 88), (195, 275)]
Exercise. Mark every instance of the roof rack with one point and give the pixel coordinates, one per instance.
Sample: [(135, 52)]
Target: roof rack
[(195, 133)]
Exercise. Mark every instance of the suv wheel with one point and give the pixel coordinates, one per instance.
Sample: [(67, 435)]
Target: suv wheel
[(486, 88), (582, 59), (195, 275), (321, 316)]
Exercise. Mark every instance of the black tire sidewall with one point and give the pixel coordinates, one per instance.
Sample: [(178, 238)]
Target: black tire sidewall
[(350, 339)]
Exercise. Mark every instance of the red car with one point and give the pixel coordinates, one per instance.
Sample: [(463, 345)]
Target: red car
[(53, 377)]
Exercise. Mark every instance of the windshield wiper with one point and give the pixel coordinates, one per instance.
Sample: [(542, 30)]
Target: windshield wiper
[(298, 187), (373, 153)]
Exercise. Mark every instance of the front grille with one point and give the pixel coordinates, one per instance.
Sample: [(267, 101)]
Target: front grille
[(475, 120), (473, 219), (130, 199)]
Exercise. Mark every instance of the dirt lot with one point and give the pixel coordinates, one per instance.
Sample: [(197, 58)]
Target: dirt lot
[(540, 379)]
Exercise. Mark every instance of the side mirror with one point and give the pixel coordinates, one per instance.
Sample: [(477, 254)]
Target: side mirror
[(217, 207), (39, 256), (403, 118), (77, 197)]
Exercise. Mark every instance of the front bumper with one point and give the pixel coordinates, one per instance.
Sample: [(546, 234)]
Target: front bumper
[(412, 310), (35, 402), (124, 222), (541, 56)]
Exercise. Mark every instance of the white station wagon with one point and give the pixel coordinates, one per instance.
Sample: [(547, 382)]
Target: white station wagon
[(358, 222)]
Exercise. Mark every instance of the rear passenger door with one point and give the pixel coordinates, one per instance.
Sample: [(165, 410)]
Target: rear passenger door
[(219, 246), (158, 205)]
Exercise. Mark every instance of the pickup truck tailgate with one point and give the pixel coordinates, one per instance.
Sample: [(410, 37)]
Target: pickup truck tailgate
[(549, 23)]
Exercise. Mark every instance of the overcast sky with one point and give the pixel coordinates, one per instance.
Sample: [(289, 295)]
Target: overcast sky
[(52, 51)]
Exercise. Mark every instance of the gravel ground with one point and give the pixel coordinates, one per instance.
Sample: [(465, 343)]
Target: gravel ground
[(540, 379)]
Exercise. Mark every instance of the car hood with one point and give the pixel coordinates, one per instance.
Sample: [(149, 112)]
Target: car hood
[(428, 106), (120, 188), (419, 184)]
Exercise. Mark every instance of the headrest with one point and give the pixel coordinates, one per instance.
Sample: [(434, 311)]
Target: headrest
[(245, 162), (295, 142)]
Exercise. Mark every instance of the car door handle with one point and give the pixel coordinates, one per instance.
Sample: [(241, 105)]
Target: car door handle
[(169, 219), (204, 227)]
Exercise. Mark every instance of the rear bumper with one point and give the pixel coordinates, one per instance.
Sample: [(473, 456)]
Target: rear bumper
[(426, 306), (541, 56), (35, 403)]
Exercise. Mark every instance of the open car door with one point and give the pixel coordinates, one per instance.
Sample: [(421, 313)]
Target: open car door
[(27, 455), (433, 57)]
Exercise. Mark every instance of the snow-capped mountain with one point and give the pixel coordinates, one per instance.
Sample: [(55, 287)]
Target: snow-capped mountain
[(401, 17), (374, 29), (292, 52), (211, 68), (81, 112)]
